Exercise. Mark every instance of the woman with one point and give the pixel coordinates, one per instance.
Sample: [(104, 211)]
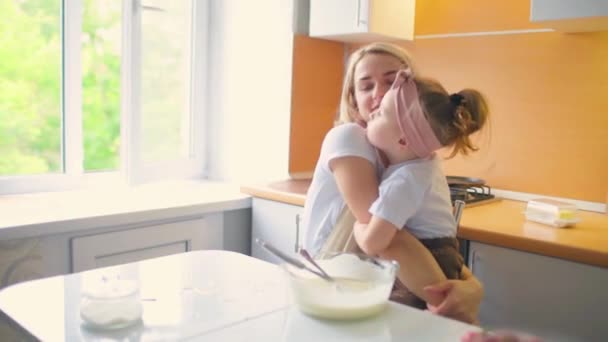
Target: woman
[(350, 175)]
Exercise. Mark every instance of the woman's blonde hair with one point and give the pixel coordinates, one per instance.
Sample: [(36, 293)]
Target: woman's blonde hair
[(348, 107), (454, 117)]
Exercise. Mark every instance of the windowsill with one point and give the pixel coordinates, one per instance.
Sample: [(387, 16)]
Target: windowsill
[(29, 215)]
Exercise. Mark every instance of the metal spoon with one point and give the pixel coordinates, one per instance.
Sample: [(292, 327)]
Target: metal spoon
[(457, 211), (309, 258), (292, 261)]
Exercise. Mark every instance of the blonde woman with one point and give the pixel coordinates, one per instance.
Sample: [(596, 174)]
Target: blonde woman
[(347, 174)]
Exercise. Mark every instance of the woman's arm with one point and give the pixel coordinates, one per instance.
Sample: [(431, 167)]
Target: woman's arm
[(357, 182)]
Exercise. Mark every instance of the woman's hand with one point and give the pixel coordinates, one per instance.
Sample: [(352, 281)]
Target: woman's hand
[(462, 298), (499, 336)]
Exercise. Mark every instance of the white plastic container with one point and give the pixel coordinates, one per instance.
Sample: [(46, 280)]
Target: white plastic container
[(111, 304), (552, 212)]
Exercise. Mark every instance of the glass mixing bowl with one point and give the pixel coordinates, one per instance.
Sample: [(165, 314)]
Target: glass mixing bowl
[(361, 288)]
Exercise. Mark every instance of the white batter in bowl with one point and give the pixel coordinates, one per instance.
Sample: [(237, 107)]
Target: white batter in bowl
[(362, 287)]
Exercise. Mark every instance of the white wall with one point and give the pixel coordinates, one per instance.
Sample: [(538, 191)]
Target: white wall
[(251, 45)]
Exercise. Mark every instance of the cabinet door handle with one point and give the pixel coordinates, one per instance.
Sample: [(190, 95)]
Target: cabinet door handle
[(473, 259), (297, 245), (359, 20)]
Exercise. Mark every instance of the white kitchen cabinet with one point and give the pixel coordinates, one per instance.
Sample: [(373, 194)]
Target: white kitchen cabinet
[(362, 20), (554, 298), (277, 223), (571, 15), (130, 245)]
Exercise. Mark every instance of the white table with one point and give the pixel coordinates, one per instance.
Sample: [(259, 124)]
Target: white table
[(209, 295)]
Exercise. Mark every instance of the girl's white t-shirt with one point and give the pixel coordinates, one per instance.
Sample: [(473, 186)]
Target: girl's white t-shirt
[(324, 203), (416, 194), (413, 194)]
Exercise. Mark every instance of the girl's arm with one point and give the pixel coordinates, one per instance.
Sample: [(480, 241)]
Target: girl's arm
[(376, 236), (357, 182), (419, 267)]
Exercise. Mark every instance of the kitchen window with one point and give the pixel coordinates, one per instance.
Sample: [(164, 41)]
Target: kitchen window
[(100, 92)]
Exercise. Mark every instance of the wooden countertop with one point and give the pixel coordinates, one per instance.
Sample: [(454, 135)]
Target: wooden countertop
[(288, 191), (503, 224), (499, 223)]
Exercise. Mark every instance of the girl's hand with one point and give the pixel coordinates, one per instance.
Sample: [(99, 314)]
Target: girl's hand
[(461, 301), (359, 226)]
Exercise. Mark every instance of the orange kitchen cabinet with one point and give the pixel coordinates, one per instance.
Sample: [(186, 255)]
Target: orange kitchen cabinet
[(318, 67), (466, 16)]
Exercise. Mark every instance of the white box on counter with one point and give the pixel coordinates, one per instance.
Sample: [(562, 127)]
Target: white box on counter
[(552, 212)]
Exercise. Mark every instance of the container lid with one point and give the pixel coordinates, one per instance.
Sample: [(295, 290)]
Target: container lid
[(551, 204), (110, 289)]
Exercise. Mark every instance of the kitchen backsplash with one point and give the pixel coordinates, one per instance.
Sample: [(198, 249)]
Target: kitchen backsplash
[(547, 94)]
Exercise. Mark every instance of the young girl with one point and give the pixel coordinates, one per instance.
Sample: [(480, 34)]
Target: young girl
[(416, 118)]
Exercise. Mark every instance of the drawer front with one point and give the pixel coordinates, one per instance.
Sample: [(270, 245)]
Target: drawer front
[(131, 245)]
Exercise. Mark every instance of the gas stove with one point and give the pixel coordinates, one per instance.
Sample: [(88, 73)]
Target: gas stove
[(472, 191), (472, 194)]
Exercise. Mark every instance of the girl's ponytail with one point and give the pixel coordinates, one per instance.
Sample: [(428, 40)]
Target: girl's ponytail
[(453, 117), (470, 112)]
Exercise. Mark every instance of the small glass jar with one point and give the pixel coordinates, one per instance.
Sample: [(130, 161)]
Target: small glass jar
[(110, 303)]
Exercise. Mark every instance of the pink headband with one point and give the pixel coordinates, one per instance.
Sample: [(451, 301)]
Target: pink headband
[(415, 128)]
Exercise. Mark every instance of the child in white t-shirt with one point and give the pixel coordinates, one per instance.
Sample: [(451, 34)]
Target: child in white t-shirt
[(416, 118)]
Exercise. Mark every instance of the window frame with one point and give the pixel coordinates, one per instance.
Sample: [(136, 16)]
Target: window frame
[(132, 169)]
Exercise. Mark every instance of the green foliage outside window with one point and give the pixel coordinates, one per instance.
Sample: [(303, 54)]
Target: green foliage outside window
[(30, 86), (101, 84)]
